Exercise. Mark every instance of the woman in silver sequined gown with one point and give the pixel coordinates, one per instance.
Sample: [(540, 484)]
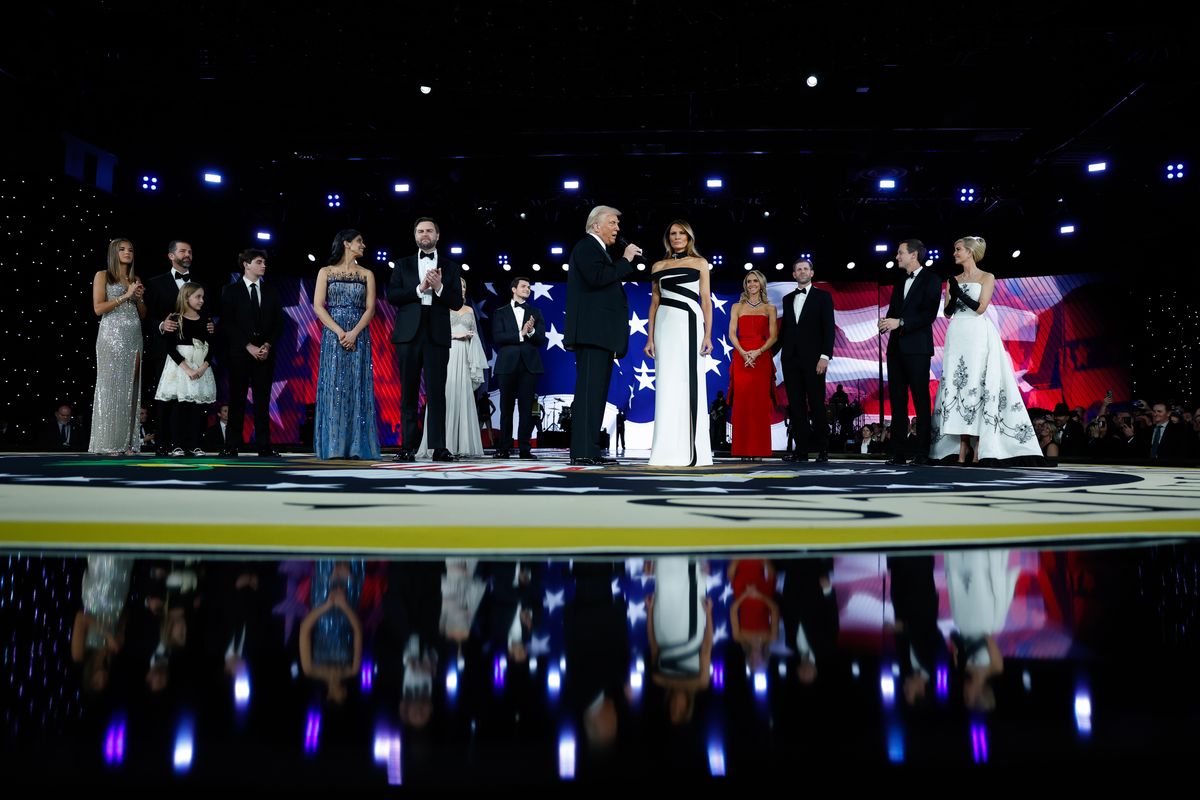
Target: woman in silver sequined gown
[(117, 300)]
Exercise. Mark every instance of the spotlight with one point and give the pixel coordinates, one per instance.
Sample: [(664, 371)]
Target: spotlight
[(311, 257), (572, 185), (887, 183), (212, 177), (150, 183), (392, 264), (381, 255), (1174, 172), (263, 236), (758, 249), (966, 195), (714, 183), (890, 264), (536, 267), (333, 200), (1066, 230), (400, 188), (881, 248), (1016, 254), (426, 89), (466, 267), (807, 256), (929, 262), (641, 266), (522, 215), (1098, 166), (850, 265), (566, 267), (507, 268), (502, 259), (718, 259), (748, 266), (456, 250), (766, 214), (935, 254), (556, 251), (812, 81), (779, 265)]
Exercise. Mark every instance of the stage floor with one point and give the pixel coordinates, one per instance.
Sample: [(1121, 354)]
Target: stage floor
[(298, 504)]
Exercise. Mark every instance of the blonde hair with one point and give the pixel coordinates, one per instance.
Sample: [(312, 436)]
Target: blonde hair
[(594, 218), (114, 262), (181, 301), (691, 243), (975, 245), (762, 283)]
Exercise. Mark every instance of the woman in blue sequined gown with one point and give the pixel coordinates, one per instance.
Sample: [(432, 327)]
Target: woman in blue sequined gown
[(117, 300), (344, 300), (331, 635)]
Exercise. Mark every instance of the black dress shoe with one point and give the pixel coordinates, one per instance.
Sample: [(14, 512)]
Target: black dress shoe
[(788, 457), (268, 454), (584, 462), (528, 456), (444, 455), (404, 455), (229, 453), (822, 457), (605, 461), (922, 461), (503, 454), (161, 452), (897, 461)]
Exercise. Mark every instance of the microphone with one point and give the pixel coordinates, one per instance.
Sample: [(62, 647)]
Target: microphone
[(622, 243)]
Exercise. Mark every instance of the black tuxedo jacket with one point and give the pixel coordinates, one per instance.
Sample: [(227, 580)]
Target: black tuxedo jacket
[(597, 309), (214, 440), (807, 340), (918, 310), (237, 322), (49, 437), (402, 293), (506, 336), (161, 294)]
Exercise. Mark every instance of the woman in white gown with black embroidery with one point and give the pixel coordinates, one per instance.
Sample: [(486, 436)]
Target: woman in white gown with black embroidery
[(978, 410), (680, 340)]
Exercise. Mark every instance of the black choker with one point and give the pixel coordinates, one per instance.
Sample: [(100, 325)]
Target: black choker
[(679, 255)]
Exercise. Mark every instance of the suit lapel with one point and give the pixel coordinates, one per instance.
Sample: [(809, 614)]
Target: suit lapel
[(603, 249)]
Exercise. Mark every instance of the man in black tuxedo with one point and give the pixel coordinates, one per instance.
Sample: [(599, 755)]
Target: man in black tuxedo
[(63, 434), (424, 288), (252, 324), (216, 437), (162, 293), (518, 331), (597, 325), (1163, 440), (805, 349), (910, 319)]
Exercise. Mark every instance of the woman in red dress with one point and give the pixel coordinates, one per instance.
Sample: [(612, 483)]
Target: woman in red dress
[(752, 331)]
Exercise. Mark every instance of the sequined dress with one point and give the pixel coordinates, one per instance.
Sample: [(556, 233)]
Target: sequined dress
[(118, 378), (345, 424)]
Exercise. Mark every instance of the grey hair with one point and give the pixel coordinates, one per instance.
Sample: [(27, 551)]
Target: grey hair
[(594, 217)]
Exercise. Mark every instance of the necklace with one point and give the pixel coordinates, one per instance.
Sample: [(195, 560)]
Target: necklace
[(679, 255), (753, 304)]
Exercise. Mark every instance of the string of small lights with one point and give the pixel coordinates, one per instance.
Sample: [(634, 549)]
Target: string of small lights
[(54, 234)]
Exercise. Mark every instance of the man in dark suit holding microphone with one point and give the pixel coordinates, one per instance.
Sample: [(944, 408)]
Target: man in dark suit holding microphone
[(597, 325)]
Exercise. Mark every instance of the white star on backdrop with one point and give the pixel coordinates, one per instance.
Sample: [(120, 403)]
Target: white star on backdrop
[(541, 290), (635, 612), (553, 600), (718, 303), (711, 365), (637, 325), (276, 389), (302, 314), (712, 581), (721, 633), (492, 361), (645, 377), (539, 645), (490, 288), (727, 593), (726, 346), (479, 312), (554, 339)]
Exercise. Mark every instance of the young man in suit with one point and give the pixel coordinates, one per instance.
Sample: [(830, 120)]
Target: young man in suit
[(597, 325), (215, 437), (252, 324), (910, 318), (518, 331), (63, 434), (805, 348), (424, 289)]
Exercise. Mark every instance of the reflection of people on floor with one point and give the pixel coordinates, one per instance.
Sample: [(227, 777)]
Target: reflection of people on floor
[(981, 587), (596, 638), (331, 635), (462, 592), (99, 629), (754, 615), (514, 606), (406, 642), (810, 614), (920, 645), (679, 627)]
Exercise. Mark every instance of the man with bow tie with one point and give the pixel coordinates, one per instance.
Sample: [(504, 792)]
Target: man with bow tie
[(518, 331), (424, 289), (806, 334), (910, 318), (162, 293)]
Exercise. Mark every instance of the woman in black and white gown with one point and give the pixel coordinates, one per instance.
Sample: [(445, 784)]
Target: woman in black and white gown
[(978, 409), (679, 341)]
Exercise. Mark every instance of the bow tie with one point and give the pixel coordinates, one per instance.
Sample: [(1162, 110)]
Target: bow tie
[(428, 255), (518, 305), (911, 276), (180, 276), (802, 291)]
